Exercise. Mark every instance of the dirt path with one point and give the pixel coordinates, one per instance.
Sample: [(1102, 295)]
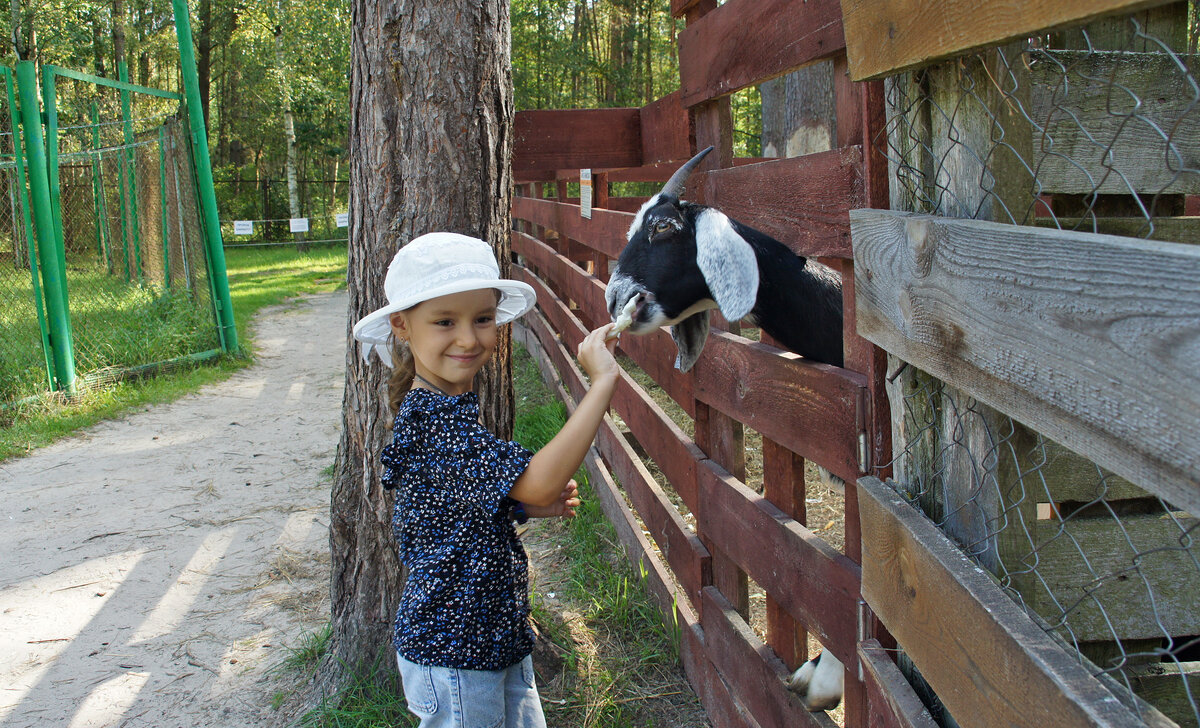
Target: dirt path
[(153, 569)]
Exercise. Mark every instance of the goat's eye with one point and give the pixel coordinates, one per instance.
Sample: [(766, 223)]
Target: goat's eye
[(662, 226)]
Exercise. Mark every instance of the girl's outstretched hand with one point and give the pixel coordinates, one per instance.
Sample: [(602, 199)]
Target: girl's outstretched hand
[(597, 355), (565, 506)]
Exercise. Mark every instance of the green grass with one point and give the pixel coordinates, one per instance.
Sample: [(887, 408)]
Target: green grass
[(258, 277)]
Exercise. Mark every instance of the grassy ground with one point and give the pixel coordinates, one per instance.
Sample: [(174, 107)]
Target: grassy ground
[(605, 658), (258, 277)]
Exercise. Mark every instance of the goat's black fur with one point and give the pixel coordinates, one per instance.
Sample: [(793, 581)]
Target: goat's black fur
[(799, 304)]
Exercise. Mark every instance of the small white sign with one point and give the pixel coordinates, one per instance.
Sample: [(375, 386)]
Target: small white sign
[(343, 219), (243, 227), (298, 224), (585, 193)]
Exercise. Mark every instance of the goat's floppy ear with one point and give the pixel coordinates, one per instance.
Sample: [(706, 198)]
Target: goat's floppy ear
[(690, 335), (728, 264)]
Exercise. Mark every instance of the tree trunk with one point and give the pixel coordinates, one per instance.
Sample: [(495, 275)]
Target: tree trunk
[(118, 32), (204, 56), (289, 122), (430, 141), (798, 115)]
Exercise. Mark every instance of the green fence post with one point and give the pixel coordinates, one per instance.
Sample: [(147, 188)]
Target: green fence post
[(162, 189), (53, 269), (30, 245), (208, 199), (131, 165), (50, 109)]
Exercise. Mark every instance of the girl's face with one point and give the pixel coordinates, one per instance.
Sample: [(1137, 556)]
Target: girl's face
[(451, 337)]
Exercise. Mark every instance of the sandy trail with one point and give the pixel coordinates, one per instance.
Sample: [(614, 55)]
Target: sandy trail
[(153, 569)]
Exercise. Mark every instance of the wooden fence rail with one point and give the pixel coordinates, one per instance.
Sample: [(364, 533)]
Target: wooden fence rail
[(922, 288)]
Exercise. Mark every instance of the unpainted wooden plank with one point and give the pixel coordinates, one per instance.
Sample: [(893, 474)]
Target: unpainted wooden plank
[(1114, 122), (1135, 578), (987, 661), (1089, 339), (1170, 229), (1166, 685), (883, 39), (556, 138), (745, 42), (891, 700), (803, 202), (806, 576), (751, 669)]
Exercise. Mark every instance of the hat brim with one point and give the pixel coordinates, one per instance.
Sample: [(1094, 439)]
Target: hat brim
[(516, 300)]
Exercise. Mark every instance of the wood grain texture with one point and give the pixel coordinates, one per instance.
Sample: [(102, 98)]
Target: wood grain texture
[(803, 202), (1114, 123), (806, 576), (988, 662), (893, 704), (745, 42), (751, 669), (556, 138), (1089, 339), (894, 35)]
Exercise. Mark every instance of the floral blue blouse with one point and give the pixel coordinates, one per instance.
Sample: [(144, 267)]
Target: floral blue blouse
[(466, 600)]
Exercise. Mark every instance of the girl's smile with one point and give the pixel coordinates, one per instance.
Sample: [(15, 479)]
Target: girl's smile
[(451, 337)]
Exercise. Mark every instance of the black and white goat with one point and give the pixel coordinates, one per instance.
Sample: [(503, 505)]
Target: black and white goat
[(683, 260)]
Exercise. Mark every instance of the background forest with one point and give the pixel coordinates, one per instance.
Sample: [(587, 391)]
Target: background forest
[(274, 74)]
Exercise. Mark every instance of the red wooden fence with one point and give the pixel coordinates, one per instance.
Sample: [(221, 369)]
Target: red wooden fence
[(835, 417)]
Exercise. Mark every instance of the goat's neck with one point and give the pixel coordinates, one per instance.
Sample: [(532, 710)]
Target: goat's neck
[(797, 304)]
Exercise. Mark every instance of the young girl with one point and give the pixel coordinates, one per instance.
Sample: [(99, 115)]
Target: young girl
[(462, 634)]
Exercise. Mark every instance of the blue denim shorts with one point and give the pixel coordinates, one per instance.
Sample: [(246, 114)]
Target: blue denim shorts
[(445, 697)]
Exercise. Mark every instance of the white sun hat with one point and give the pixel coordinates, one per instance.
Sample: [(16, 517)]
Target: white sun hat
[(433, 265)]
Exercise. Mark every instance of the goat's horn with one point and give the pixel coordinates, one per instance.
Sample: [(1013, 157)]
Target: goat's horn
[(674, 186)]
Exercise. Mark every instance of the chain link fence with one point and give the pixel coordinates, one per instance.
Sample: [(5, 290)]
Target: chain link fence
[(123, 192), (1095, 129), (22, 351), (263, 203)]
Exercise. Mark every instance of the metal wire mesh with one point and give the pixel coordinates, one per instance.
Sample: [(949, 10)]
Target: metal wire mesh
[(264, 204), (1094, 129), (22, 355), (137, 279)]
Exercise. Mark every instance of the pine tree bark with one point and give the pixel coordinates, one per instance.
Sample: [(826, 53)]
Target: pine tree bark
[(430, 142)]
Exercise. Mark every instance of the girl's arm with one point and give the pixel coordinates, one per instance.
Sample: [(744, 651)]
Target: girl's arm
[(555, 464)]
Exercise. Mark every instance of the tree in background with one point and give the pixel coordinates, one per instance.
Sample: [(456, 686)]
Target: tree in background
[(430, 139)]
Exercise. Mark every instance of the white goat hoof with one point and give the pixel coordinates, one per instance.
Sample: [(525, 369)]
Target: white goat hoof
[(818, 682)]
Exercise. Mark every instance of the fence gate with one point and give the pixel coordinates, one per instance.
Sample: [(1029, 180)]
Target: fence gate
[(1017, 415), (121, 276)]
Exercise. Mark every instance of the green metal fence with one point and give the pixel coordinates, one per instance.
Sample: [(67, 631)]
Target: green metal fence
[(107, 263)]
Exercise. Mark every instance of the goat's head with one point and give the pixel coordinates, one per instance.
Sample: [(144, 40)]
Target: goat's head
[(681, 261)]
